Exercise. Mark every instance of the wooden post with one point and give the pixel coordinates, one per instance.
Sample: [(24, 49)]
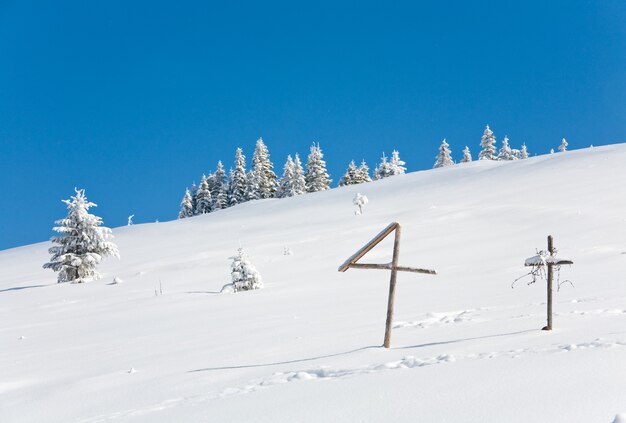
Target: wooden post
[(550, 279), (392, 287), (393, 266)]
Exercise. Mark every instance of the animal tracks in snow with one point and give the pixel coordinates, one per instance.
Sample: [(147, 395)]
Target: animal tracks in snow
[(408, 362), (487, 314), (327, 373), (443, 318)]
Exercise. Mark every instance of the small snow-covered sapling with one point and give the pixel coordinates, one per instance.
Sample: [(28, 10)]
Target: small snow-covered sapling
[(359, 201)]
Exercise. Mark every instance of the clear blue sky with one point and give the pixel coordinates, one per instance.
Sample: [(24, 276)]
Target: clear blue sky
[(133, 101)]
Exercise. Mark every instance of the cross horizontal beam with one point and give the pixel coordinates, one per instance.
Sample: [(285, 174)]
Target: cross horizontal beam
[(389, 266), (552, 262)]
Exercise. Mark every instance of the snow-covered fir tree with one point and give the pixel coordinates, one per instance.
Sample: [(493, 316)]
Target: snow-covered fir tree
[(505, 152), (488, 145), (286, 183), (396, 165), (194, 194), (444, 158), (186, 206), (563, 146), (552, 151), (264, 178), (523, 153), (383, 169), (237, 180), (244, 276), (252, 190), (467, 155), (218, 186), (83, 242), (349, 178), (203, 197), (316, 176), (299, 182), (362, 174)]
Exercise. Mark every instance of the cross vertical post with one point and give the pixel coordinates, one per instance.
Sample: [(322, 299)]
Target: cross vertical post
[(550, 279), (392, 287)]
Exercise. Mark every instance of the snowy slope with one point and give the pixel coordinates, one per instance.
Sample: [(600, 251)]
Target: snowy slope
[(306, 348)]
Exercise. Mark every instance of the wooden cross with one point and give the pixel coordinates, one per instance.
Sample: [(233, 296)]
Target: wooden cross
[(549, 261), (393, 266)]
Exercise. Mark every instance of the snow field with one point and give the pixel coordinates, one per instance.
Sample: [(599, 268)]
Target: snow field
[(465, 347)]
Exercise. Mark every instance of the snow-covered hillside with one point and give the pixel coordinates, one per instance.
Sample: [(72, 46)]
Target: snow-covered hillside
[(306, 348)]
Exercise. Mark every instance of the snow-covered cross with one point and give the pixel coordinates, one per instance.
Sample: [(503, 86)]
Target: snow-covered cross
[(393, 266), (548, 259)]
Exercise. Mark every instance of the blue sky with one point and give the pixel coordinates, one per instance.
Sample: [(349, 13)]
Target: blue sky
[(133, 101)]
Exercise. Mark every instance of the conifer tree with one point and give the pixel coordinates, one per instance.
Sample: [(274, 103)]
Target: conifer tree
[(252, 190), (299, 182), (563, 146), (82, 244), (444, 157), (396, 165), (316, 176), (383, 169), (523, 154), (194, 194), (488, 145), (203, 197), (263, 173), (244, 275), (237, 183), (362, 173), (218, 186), (467, 155), (286, 183), (505, 151), (350, 177), (186, 206)]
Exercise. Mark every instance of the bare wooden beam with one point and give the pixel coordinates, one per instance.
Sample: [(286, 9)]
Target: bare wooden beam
[(416, 270), (368, 246), (392, 286), (387, 266)]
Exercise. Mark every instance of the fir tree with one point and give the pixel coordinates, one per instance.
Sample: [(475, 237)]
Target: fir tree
[(316, 176), (396, 165), (563, 146), (505, 152), (252, 190), (203, 197), (244, 275), (194, 195), (237, 184), (263, 173), (299, 181), (186, 206), (350, 177), (218, 186), (383, 169), (444, 157), (523, 154), (362, 174), (488, 145), (286, 183), (82, 244), (467, 156)]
